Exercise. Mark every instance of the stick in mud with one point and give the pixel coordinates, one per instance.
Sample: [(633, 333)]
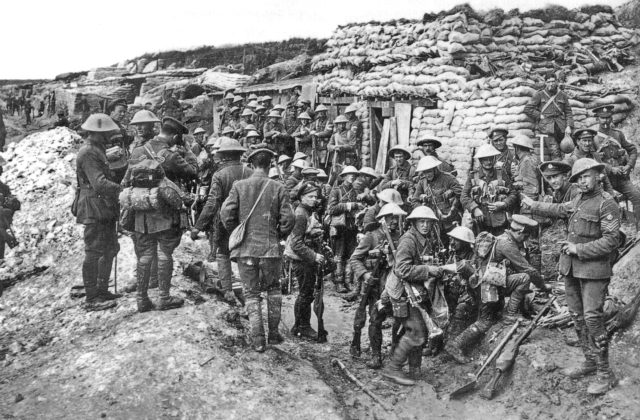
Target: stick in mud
[(351, 376)]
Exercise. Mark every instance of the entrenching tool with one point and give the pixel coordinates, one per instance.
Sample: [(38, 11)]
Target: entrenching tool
[(352, 378), (508, 357), (472, 384)]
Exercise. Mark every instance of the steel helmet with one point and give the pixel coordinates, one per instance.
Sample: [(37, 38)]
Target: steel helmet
[(308, 171), (390, 209), (390, 195), (214, 142), (321, 107), (274, 114), (463, 233), (366, 170), (273, 173), (99, 123), (198, 130), (427, 162), (283, 158), (300, 163), (229, 145), (351, 108), (522, 141), (422, 212), (260, 108), (250, 127), (583, 165), (253, 133), (322, 174), (144, 116), (246, 113), (278, 107), (304, 116), (253, 97), (234, 109), (229, 95), (299, 155), (428, 139), (402, 149), (340, 119), (499, 128), (485, 151), (349, 170), (237, 99), (227, 130), (266, 98), (252, 104)]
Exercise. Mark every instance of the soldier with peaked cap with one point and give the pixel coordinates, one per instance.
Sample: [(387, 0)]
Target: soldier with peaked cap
[(556, 173), (411, 270), (231, 170), (586, 266), (620, 157), (513, 283), (96, 207), (488, 194), (400, 176), (263, 205), (342, 205), (322, 129), (550, 111), (440, 191), (498, 139), (371, 262)]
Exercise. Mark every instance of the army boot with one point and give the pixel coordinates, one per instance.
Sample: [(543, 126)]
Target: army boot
[(589, 365), (605, 379), (376, 361), (153, 279), (226, 278), (95, 302), (338, 279), (512, 310), (167, 301), (103, 290), (355, 345), (254, 310), (142, 298), (274, 310), (394, 370), (415, 363), (456, 348)]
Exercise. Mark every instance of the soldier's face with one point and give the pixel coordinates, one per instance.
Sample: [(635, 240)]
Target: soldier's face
[(456, 245), (556, 181), (487, 163), (500, 142), (399, 158), (309, 199), (423, 226), (144, 130), (588, 180), (118, 113), (585, 144), (428, 148), (430, 174), (392, 222), (552, 85), (605, 121), (348, 179)]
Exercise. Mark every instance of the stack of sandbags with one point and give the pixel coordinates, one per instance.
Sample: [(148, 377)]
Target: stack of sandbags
[(363, 115)]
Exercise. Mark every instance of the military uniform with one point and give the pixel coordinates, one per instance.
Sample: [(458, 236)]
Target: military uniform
[(277, 139), (348, 142), (579, 154), (507, 158), (444, 167), (324, 130), (3, 132), (552, 114), (342, 200), (9, 204), (443, 193), (404, 174)]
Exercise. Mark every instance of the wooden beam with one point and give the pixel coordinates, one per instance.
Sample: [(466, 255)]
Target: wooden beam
[(381, 161), (403, 119)]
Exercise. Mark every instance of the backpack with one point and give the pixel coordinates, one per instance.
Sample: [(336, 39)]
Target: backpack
[(148, 171)]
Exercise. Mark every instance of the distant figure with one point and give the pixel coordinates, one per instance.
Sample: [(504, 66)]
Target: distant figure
[(62, 120), (27, 112), (3, 132)]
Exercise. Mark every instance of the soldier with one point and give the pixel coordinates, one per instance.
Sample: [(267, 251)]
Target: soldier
[(302, 135), (253, 140), (62, 120), (550, 111), (371, 262), (3, 132), (460, 296), (231, 171), (428, 147), (354, 126), (612, 145), (342, 206), (258, 255), (97, 208), (585, 148), (284, 162), (586, 266), (322, 129), (556, 173), (171, 106), (224, 110), (513, 283), (118, 146), (234, 120), (527, 176), (400, 177), (304, 247), (410, 269), (304, 105), (275, 135), (198, 145), (342, 146), (265, 101), (388, 195), (498, 139), (290, 117), (27, 108), (440, 191), (260, 117), (295, 178), (158, 232), (246, 118), (144, 122), (487, 194)]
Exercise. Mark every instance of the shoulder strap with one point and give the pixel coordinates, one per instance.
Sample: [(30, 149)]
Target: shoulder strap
[(257, 201), (552, 100)]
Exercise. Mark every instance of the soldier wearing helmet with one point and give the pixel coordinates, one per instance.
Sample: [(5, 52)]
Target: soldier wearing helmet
[(144, 122), (487, 194), (388, 195), (343, 145), (223, 111), (460, 297), (620, 157), (400, 176), (231, 170), (411, 271), (321, 129), (584, 139), (275, 135), (428, 146), (496, 285), (62, 120), (354, 125), (295, 177), (440, 191), (371, 263), (302, 136), (96, 207), (585, 265), (198, 135)]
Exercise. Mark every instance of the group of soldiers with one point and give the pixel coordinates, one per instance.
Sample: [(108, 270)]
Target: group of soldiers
[(281, 192)]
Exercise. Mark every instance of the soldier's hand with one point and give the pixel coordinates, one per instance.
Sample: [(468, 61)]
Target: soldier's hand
[(396, 182), (497, 206), (526, 200), (616, 170), (320, 259), (568, 248), (436, 271), (478, 215), (194, 234), (626, 170)]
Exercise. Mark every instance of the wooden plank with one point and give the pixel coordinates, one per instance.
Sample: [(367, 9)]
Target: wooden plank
[(393, 132), (381, 161), (372, 135), (403, 119), (309, 93)]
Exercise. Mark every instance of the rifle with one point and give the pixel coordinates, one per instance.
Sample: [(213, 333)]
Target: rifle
[(334, 164), (318, 301), (508, 356), (314, 151)]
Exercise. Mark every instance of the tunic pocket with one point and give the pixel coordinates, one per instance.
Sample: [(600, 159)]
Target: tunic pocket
[(588, 225)]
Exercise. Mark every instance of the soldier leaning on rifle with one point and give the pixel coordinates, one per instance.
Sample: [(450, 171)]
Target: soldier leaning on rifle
[(409, 268), (224, 110), (400, 177), (322, 128), (438, 190), (514, 283), (612, 145), (549, 109), (259, 256), (498, 139), (158, 232), (371, 262), (354, 125), (97, 208), (488, 194), (303, 249), (343, 142), (585, 264), (231, 170)]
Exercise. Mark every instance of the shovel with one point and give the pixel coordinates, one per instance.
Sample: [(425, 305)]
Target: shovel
[(472, 384)]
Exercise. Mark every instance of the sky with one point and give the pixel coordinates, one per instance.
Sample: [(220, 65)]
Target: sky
[(45, 38)]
